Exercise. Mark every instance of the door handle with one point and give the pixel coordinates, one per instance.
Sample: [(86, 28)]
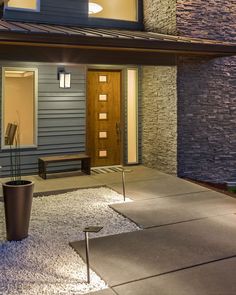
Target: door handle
[(117, 128)]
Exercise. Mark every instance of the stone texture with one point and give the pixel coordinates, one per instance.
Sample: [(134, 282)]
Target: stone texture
[(159, 94), (160, 16), (206, 119), (206, 95), (159, 118), (212, 19)]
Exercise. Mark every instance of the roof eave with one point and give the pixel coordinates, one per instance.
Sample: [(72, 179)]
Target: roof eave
[(101, 43)]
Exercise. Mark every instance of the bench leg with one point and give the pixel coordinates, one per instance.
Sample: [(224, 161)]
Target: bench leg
[(42, 169), (85, 166)]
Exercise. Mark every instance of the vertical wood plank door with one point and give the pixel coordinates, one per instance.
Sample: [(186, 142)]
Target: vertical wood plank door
[(103, 117)]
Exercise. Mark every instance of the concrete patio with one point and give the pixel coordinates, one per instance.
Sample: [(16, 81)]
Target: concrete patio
[(187, 244)]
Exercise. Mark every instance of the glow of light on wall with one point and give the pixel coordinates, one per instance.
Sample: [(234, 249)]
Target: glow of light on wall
[(94, 8)]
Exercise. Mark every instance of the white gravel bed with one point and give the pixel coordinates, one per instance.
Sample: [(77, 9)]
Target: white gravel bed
[(44, 263)]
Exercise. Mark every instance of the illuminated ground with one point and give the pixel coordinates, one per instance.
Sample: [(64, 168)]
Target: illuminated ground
[(187, 245), (44, 263)]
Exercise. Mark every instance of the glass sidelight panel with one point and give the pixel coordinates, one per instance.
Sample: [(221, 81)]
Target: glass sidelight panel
[(103, 154), (19, 104), (102, 116), (102, 134), (103, 78), (132, 115), (102, 97)]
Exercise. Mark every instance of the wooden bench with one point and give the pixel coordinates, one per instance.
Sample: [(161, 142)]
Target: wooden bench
[(44, 161)]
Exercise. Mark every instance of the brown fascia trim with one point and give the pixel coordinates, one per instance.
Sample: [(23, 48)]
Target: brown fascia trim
[(101, 43)]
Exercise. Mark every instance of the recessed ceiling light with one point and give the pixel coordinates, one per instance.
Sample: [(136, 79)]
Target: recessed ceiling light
[(94, 8)]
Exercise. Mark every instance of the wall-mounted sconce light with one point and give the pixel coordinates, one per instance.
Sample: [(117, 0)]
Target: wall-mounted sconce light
[(64, 78)]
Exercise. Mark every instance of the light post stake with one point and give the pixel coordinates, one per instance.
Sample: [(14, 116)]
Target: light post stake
[(87, 230), (87, 255), (123, 183)]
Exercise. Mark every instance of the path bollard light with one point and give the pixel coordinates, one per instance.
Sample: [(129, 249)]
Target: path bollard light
[(87, 230), (123, 181)]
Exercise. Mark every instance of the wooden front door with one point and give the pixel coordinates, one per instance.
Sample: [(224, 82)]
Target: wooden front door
[(103, 117)]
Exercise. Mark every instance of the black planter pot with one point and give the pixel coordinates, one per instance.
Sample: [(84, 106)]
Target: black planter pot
[(17, 197)]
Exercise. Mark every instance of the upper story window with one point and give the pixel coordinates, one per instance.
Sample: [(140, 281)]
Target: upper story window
[(114, 9), (24, 4)]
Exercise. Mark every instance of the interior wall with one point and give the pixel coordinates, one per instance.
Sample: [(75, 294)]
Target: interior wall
[(117, 9), (28, 4), (19, 106)]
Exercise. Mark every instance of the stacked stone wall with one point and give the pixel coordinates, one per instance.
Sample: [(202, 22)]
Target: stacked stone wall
[(211, 19), (160, 16), (207, 119), (159, 105), (207, 94), (159, 118)]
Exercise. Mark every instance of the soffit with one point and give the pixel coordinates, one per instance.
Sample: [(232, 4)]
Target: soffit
[(19, 33)]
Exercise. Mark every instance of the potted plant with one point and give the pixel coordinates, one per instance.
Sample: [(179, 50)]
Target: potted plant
[(17, 193)]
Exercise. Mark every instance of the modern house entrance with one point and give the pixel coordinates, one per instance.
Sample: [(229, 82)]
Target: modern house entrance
[(104, 117), (150, 103)]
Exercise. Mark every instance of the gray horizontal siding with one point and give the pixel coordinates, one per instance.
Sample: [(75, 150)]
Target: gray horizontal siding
[(61, 118)]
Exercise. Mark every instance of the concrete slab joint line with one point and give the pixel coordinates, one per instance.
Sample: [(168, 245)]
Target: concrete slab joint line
[(104, 292), (152, 252), (161, 186), (188, 243), (203, 279), (176, 209)]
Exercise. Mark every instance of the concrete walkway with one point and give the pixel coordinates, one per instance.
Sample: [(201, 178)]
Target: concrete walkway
[(187, 245)]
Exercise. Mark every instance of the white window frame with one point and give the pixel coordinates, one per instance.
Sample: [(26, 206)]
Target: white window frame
[(35, 70), (24, 9)]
